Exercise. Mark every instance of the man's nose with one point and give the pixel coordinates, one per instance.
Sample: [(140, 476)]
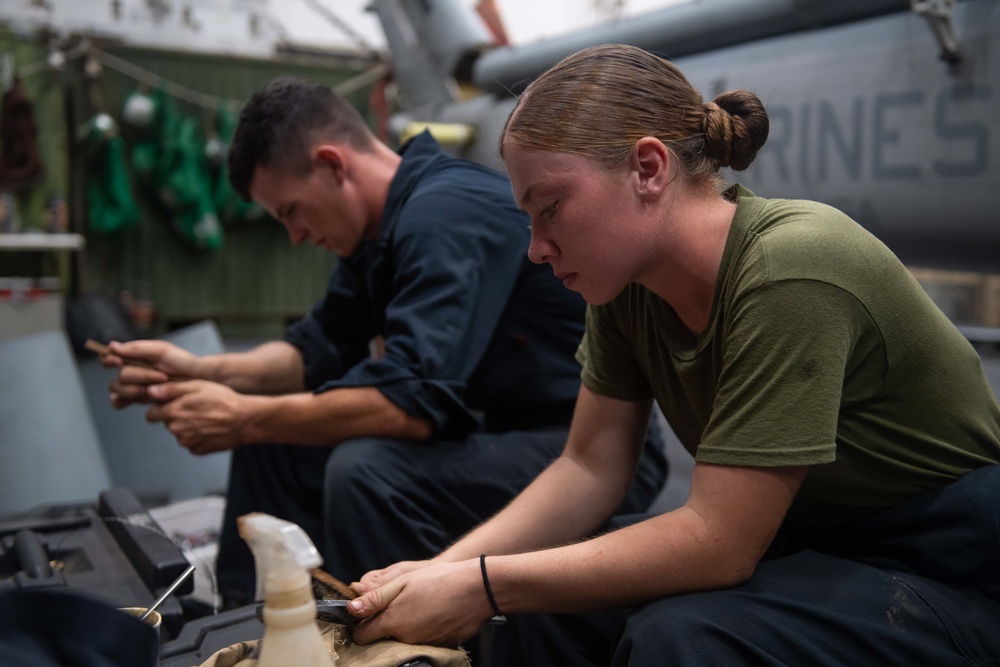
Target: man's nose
[(295, 234)]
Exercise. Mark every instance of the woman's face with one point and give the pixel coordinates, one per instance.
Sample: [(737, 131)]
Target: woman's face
[(581, 220)]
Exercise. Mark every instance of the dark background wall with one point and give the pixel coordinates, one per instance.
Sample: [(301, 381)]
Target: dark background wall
[(251, 285)]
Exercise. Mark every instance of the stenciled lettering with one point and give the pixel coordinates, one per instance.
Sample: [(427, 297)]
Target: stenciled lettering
[(884, 135), (971, 132), (820, 138), (846, 140)]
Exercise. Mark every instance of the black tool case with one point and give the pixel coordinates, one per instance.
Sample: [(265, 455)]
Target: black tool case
[(111, 550)]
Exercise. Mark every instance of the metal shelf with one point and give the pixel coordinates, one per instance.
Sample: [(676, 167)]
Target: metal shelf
[(31, 241)]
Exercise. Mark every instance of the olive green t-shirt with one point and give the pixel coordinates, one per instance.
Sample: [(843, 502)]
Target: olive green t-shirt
[(821, 350)]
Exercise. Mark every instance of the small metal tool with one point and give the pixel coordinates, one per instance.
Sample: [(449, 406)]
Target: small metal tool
[(335, 611), (170, 589)]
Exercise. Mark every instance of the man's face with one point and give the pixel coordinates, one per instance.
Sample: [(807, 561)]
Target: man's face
[(323, 206)]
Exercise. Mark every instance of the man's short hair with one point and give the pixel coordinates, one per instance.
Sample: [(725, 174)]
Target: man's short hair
[(279, 123)]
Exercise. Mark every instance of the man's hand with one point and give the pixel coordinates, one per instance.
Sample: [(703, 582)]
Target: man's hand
[(204, 416), (441, 604), (143, 363)]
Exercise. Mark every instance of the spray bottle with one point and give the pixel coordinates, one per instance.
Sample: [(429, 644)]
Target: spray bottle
[(284, 555)]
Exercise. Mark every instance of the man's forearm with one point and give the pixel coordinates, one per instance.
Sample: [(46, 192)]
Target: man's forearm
[(329, 418), (275, 367)]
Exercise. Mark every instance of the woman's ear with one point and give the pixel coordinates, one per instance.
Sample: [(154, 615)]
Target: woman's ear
[(652, 166)]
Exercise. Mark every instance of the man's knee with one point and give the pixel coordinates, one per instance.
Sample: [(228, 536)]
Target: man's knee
[(363, 470), (352, 461)]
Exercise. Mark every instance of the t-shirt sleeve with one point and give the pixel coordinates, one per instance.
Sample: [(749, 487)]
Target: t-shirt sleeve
[(608, 357), (779, 395)]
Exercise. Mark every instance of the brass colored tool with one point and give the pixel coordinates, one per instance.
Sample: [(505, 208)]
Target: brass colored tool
[(101, 348), (94, 346)]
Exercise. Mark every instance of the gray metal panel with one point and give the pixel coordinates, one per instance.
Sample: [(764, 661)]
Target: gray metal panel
[(49, 452), (865, 117), (145, 458)]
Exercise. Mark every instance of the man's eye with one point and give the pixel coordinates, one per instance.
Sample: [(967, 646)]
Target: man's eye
[(549, 210)]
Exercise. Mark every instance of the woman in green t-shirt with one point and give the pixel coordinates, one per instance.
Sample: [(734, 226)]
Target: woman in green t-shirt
[(845, 499)]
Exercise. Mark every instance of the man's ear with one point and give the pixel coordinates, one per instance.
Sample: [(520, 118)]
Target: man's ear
[(652, 166), (329, 156)]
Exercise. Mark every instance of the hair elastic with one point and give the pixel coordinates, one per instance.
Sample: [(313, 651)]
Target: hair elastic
[(486, 584)]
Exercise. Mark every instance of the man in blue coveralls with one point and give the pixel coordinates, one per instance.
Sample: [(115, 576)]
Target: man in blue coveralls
[(389, 457)]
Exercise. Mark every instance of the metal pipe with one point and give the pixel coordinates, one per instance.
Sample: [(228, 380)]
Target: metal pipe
[(679, 30)]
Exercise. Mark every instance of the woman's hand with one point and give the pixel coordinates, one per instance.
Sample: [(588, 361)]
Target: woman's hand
[(441, 604), (376, 578)]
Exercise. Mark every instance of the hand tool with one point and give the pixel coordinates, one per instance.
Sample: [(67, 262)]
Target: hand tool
[(170, 589)]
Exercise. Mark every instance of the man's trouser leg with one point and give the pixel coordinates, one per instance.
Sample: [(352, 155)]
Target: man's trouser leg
[(387, 501), (282, 480)]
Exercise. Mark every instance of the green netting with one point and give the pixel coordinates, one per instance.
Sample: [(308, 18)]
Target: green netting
[(168, 159), (230, 207), (109, 197)]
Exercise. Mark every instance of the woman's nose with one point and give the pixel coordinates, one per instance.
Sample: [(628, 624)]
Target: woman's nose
[(540, 249)]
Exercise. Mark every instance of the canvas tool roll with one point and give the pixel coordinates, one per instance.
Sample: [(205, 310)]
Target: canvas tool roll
[(343, 651)]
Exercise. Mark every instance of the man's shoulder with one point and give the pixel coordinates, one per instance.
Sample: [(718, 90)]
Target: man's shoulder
[(448, 174), (430, 176), (455, 191)]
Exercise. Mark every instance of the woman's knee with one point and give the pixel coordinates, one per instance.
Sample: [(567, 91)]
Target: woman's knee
[(681, 630)]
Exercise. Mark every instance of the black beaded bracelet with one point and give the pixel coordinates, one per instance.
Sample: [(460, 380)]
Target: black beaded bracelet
[(486, 584)]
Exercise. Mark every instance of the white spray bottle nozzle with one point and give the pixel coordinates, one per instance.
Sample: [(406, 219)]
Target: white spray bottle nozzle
[(281, 549)]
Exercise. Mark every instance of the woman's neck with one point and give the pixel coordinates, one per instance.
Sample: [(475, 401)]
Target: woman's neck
[(685, 266)]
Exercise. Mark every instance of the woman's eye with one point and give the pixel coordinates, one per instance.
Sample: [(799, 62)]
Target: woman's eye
[(549, 210)]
